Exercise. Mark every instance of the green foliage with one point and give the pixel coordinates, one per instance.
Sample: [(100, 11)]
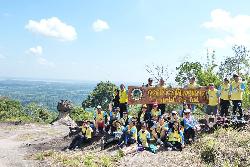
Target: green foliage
[(101, 95), (78, 114), (205, 77), (187, 70), (12, 110)]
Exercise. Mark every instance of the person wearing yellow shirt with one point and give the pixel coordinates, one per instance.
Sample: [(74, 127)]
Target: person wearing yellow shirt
[(144, 136), (224, 90), (84, 137), (100, 119), (213, 101), (192, 85), (123, 100), (237, 89)]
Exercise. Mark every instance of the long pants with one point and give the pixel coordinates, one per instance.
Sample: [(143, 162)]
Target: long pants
[(126, 138), (174, 145), (237, 104), (224, 106), (123, 108), (78, 141), (189, 134)]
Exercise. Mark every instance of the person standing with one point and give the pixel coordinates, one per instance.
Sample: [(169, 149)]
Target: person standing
[(236, 94), (116, 98), (224, 90), (123, 100), (213, 101), (162, 107), (192, 85), (149, 106)]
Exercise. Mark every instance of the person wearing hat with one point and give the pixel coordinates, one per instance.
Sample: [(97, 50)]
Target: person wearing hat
[(237, 89), (213, 102), (190, 125), (224, 91), (155, 112), (100, 116)]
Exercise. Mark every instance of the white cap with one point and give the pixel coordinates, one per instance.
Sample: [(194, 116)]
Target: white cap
[(187, 111), (98, 107), (174, 112)]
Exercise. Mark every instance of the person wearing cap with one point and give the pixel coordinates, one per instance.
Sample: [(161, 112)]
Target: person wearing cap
[(213, 102), (144, 136), (123, 100), (237, 89), (100, 117), (224, 91), (113, 115), (155, 112), (190, 125), (84, 137)]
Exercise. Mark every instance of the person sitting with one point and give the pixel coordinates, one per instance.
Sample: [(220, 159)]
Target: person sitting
[(190, 125), (155, 112), (84, 137), (141, 116), (113, 116), (159, 130), (144, 136), (125, 119), (175, 140), (130, 134), (115, 136), (100, 119)]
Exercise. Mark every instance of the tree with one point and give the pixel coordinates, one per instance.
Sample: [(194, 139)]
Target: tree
[(101, 95), (186, 70), (158, 72), (239, 63)]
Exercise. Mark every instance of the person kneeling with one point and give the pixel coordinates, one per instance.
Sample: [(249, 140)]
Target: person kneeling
[(85, 137), (175, 139)]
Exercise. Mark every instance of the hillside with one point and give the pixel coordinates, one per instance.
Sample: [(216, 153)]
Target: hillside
[(44, 145)]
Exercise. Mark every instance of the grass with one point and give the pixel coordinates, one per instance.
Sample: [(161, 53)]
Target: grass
[(76, 159), (225, 147)]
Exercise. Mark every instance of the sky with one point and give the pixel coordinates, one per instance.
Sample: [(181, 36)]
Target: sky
[(115, 40)]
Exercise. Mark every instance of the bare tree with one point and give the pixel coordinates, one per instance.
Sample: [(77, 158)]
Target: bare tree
[(158, 72)]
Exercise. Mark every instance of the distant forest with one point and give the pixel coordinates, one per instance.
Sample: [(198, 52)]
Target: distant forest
[(45, 94)]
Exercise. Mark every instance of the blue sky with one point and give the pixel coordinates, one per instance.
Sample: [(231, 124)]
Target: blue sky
[(114, 40)]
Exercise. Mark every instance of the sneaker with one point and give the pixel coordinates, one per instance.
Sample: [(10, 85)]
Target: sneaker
[(159, 141)]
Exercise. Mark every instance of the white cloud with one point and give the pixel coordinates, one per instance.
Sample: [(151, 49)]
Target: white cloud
[(37, 51), (236, 29), (100, 25), (149, 38), (45, 62), (53, 27)]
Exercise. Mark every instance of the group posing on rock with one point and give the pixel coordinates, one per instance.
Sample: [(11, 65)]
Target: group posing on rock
[(153, 126)]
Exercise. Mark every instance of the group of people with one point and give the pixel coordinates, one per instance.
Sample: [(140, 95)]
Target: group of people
[(153, 126)]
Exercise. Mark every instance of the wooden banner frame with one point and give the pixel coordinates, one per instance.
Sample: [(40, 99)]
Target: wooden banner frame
[(160, 95)]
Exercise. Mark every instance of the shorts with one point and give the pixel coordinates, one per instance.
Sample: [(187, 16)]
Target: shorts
[(211, 110), (100, 124)]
